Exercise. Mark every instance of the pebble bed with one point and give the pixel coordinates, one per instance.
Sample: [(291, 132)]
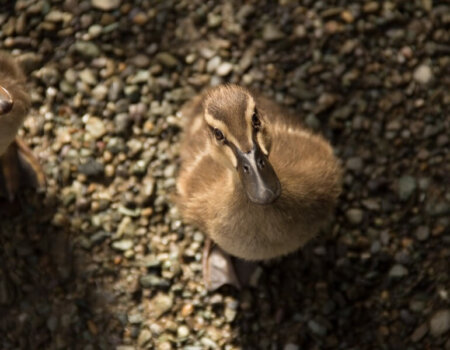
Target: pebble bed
[(102, 260)]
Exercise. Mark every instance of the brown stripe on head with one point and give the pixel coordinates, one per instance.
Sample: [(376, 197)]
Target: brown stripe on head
[(227, 108)]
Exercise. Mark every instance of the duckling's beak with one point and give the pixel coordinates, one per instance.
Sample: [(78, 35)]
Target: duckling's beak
[(257, 176), (6, 101)]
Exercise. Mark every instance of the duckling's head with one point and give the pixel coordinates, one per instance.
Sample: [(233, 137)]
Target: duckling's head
[(240, 139), (12, 80), (6, 101)]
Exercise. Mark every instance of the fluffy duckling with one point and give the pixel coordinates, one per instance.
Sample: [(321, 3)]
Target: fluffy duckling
[(15, 157), (252, 177)]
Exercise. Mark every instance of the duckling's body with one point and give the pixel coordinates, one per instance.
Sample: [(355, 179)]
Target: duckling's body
[(14, 107), (253, 219), (15, 100)]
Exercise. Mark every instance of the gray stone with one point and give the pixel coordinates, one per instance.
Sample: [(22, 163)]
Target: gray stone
[(209, 343), (100, 92), (49, 75), (123, 244), (115, 145), (355, 164), (317, 328), (398, 271), (167, 59), (371, 204), (224, 69), (355, 216), (99, 237), (440, 323), (149, 261), (160, 304), (95, 30), (86, 48), (144, 337), (152, 280), (213, 64), (134, 147), (312, 121), (291, 346), (142, 76), (95, 127), (230, 314), (87, 76), (170, 170), (423, 74), (214, 20), (272, 33), (417, 305), (419, 332), (106, 5), (115, 89), (182, 332), (91, 168), (52, 323), (140, 61), (422, 233), (122, 122), (135, 318), (406, 187)]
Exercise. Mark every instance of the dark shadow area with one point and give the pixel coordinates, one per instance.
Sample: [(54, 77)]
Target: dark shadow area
[(49, 295)]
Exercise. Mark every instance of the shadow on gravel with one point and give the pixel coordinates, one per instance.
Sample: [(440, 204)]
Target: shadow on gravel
[(48, 296), (312, 298)]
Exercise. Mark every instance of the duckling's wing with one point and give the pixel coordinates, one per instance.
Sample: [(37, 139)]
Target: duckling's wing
[(19, 168)]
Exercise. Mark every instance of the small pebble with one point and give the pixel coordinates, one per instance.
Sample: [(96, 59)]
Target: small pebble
[(354, 216), (419, 332), (144, 337), (398, 271), (440, 323), (406, 187), (182, 332), (224, 69), (423, 74), (123, 245), (160, 304), (106, 5), (272, 33), (95, 127), (422, 233), (291, 346)]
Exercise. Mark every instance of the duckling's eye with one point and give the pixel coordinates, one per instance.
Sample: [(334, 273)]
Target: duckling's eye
[(218, 134), (256, 123)]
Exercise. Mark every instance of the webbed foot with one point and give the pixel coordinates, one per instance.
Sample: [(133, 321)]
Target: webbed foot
[(220, 268)]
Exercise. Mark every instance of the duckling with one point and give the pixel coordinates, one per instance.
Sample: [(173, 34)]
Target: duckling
[(253, 178), (15, 156)]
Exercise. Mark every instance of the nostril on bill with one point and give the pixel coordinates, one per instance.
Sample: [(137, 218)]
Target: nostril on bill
[(261, 163), (246, 169)]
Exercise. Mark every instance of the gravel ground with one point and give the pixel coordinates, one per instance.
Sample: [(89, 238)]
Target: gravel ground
[(102, 260)]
